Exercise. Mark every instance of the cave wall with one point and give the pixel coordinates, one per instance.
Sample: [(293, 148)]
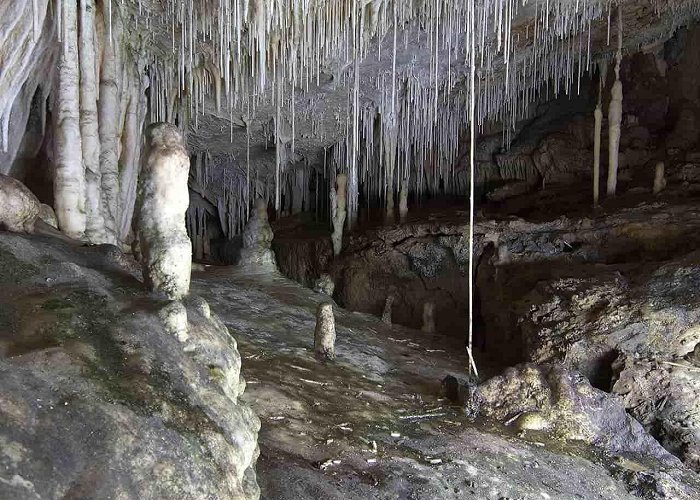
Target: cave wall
[(660, 123)]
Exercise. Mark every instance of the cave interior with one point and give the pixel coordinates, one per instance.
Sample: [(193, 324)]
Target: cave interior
[(306, 249)]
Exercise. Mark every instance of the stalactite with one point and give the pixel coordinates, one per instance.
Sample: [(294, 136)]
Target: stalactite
[(69, 177), (338, 211), (615, 114)]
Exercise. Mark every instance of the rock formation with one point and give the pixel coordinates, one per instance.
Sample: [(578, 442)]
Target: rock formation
[(98, 401), (324, 334), (324, 284), (615, 115), (550, 398), (159, 218), (21, 212), (659, 178), (338, 211), (386, 312), (257, 239), (19, 208)]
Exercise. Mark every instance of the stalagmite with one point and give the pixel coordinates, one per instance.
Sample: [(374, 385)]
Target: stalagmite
[(388, 303), (615, 115), (338, 213), (324, 334), (89, 131), (159, 218), (257, 239), (403, 200), (69, 177), (428, 317), (659, 179)]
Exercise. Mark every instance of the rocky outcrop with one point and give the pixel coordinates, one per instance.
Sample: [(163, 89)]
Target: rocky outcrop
[(617, 314), (562, 403), (97, 399), (665, 397)]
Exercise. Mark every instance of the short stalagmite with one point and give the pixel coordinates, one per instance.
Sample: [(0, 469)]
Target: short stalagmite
[(338, 211), (324, 335), (659, 179), (159, 218), (428, 317), (257, 238)]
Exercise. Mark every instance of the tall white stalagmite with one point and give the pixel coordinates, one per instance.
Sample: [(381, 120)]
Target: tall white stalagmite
[(69, 177), (89, 129), (159, 218), (615, 114), (338, 211), (109, 118)]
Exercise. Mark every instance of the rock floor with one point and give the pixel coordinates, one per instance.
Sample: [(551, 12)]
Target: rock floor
[(373, 423)]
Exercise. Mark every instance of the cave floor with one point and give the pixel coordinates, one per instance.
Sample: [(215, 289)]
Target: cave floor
[(373, 423)]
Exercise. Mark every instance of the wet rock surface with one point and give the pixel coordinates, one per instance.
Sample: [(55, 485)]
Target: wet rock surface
[(375, 424), (98, 400)]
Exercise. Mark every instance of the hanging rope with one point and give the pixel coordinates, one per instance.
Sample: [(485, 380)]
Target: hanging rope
[(472, 168)]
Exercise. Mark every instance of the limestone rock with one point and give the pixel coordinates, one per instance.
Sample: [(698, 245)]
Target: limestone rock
[(325, 285), (257, 239), (19, 208), (47, 214), (562, 402), (665, 398), (98, 400)]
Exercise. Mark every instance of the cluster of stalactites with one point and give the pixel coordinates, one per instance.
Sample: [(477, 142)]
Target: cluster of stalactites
[(247, 54)]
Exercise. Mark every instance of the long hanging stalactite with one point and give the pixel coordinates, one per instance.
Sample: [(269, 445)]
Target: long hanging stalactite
[(69, 176)]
